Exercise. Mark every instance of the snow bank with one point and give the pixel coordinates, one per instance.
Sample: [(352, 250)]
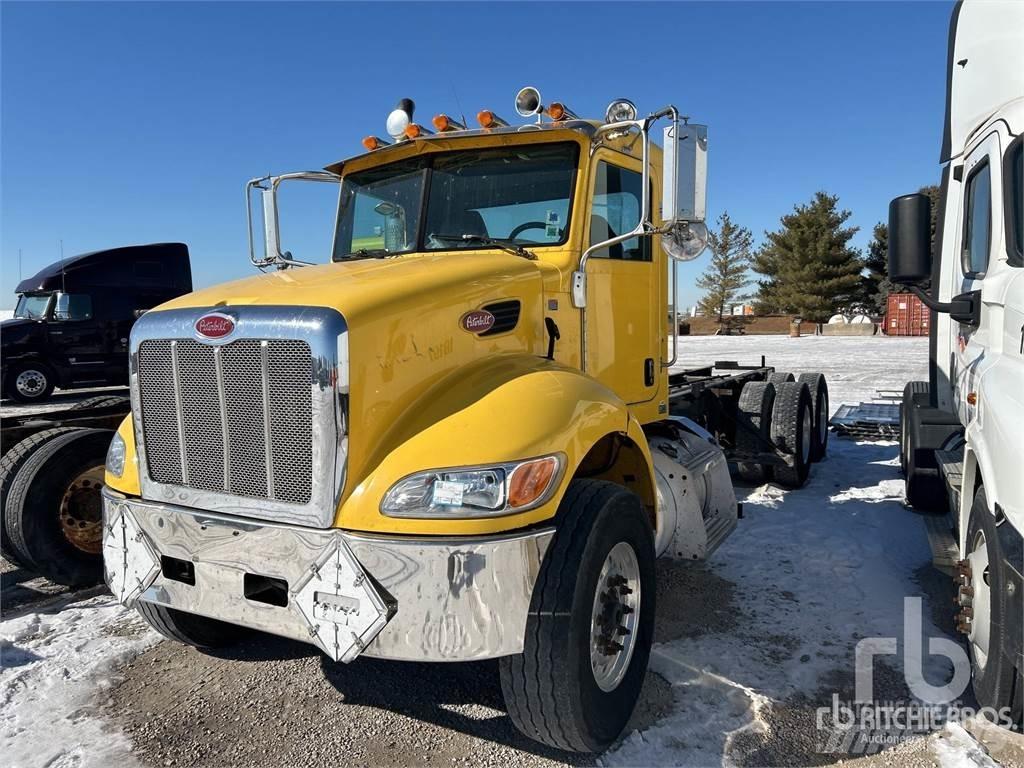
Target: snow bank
[(56, 663)]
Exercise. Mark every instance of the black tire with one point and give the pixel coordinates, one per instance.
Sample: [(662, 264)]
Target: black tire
[(779, 377), (755, 408), (550, 689), (34, 508), (11, 462), (101, 401), (913, 392), (45, 375), (792, 426), (819, 401), (997, 683), (189, 628)]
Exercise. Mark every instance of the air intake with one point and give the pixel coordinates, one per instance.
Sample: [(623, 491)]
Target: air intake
[(506, 316)]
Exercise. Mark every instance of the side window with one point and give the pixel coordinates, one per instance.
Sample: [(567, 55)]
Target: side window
[(615, 211), (977, 221), (73, 306)]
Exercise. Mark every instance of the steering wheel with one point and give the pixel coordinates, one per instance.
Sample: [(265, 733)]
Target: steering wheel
[(525, 226)]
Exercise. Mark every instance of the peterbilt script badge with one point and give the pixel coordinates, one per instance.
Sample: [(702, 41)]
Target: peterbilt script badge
[(478, 321), (214, 326)]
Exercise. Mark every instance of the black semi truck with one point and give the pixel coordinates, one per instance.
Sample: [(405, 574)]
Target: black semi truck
[(71, 324)]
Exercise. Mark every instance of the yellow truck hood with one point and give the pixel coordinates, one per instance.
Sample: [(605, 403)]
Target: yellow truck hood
[(418, 283)]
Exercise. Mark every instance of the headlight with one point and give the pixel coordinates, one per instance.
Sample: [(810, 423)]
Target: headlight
[(498, 489), (115, 456)]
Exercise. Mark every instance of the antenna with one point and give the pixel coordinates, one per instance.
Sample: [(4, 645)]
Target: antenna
[(458, 106)]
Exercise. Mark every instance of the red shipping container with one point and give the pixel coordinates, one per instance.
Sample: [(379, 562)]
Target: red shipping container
[(906, 315)]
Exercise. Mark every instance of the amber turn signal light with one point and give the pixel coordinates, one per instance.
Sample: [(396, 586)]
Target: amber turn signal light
[(531, 481)]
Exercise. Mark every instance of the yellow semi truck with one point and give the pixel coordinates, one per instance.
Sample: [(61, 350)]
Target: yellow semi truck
[(459, 439)]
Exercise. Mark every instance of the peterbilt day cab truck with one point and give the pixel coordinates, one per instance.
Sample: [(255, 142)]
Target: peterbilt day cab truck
[(961, 448), (459, 439), (71, 324)]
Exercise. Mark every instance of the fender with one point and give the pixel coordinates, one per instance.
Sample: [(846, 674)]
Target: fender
[(505, 408), (128, 482)]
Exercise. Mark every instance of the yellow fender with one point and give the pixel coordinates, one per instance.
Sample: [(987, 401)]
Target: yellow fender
[(529, 407)]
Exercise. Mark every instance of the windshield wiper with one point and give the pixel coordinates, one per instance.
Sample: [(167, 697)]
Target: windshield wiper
[(509, 246), (365, 253)]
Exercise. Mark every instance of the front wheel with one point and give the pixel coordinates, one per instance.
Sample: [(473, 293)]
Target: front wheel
[(591, 623), (30, 383), (997, 681)]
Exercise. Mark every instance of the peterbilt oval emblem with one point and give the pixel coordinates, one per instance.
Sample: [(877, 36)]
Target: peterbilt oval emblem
[(214, 326), (478, 321)]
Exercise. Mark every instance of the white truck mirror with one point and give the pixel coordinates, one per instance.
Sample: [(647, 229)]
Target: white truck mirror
[(683, 205), (268, 210), (685, 173)]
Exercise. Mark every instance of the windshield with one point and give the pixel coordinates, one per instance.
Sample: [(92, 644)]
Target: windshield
[(33, 307), (516, 194)]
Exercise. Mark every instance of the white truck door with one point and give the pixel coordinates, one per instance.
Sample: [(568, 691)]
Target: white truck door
[(981, 266)]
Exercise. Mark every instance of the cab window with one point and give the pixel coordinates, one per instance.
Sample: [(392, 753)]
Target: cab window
[(73, 306), (615, 211), (1015, 211), (977, 221)]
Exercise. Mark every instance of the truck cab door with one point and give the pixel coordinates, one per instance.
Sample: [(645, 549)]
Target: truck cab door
[(77, 340), (980, 266), (623, 284)]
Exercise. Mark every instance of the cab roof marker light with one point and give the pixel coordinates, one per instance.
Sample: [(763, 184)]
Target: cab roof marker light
[(445, 123), (400, 118), (415, 131), (374, 142), (488, 119), (557, 111)]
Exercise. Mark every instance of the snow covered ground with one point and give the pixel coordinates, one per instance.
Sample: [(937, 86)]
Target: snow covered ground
[(751, 643)]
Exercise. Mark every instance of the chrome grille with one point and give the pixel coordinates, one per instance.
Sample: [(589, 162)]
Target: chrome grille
[(235, 419)]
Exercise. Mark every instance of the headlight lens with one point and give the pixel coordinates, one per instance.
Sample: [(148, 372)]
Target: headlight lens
[(115, 456), (493, 490)]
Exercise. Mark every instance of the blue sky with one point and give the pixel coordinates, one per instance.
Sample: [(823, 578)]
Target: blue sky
[(140, 122)]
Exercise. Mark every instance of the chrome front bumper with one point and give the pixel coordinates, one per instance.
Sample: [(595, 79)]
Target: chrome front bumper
[(418, 599)]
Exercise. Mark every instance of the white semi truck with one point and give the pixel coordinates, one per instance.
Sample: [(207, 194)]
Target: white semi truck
[(963, 429)]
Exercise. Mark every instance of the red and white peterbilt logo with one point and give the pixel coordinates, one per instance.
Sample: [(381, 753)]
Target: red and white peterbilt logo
[(478, 321), (214, 326)]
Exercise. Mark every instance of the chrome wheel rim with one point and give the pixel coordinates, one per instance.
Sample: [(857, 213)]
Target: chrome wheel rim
[(615, 616), (981, 601), (30, 383), (806, 427), (81, 511)]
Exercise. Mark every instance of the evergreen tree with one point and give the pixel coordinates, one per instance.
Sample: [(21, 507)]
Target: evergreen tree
[(876, 285), (726, 276), (808, 265)]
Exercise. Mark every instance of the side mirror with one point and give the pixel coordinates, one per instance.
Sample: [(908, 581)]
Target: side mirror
[(684, 190), (910, 258), (268, 209)]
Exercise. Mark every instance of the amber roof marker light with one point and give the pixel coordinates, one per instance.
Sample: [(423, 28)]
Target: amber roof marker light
[(558, 112), (415, 131), (444, 123), (488, 119), (374, 142)]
